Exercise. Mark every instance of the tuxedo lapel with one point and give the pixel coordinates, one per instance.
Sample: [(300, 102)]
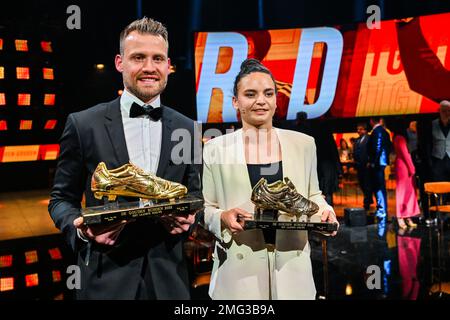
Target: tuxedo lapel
[(114, 127), (288, 169), (166, 142)]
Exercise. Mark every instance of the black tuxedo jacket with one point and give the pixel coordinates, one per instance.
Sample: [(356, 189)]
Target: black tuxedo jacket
[(379, 147), (360, 153), (146, 262)]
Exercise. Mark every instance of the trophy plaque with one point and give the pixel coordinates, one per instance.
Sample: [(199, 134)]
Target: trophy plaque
[(290, 225), (281, 199), (157, 196), (115, 212)]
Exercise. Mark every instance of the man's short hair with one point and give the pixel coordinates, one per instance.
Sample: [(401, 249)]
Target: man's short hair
[(362, 124), (145, 26), (444, 104)]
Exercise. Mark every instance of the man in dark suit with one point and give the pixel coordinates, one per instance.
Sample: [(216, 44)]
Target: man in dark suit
[(142, 259), (379, 147), (361, 159)]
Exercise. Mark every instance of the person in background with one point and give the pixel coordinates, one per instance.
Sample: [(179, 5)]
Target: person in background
[(344, 151), (379, 148), (440, 153), (328, 165), (405, 191), (361, 158), (411, 134)]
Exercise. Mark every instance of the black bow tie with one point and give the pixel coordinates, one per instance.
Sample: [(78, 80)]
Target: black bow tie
[(137, 110)]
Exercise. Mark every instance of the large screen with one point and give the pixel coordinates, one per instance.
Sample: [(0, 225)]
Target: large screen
[(345, 71)]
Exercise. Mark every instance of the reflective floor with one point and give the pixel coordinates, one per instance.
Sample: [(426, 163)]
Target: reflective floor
[(371, 263), (366, 263), (361, 262)]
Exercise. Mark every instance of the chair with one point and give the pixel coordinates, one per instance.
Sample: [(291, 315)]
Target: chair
[(438, 190)]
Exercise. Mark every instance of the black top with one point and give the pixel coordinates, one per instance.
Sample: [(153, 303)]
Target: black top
[(271, 171)]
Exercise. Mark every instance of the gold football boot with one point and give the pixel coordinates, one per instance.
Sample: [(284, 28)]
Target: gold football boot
[(131, 181), (282, 196)]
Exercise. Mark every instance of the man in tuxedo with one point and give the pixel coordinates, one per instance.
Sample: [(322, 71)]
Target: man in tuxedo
[(379, 147), (142, 259), (361, 158), (440, 153)]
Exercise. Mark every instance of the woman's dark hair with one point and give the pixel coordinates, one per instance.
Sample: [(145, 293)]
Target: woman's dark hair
[(250, 66), (399, 127)]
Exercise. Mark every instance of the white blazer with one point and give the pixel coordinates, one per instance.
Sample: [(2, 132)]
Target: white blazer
[(243, 268)]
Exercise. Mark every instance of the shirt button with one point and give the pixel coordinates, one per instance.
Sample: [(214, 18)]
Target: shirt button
[(240, 256)]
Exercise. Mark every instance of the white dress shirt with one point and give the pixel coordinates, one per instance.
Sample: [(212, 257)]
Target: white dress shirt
[(142, 135)]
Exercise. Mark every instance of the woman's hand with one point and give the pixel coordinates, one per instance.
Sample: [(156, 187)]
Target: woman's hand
[(330, 217), (234, 219)]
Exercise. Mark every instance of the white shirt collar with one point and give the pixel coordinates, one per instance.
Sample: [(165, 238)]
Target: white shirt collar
[(127, 99)]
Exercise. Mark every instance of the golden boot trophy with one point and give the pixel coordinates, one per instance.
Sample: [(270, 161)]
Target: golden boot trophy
[(157, 196), (282, 196), (131, 181)]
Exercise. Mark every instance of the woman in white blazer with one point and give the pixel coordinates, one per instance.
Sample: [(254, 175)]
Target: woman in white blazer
[(245, 267)]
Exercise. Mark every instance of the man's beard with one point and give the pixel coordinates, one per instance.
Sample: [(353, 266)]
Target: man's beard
[(146, 95)]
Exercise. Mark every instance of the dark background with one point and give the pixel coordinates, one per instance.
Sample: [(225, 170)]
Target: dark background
[(79, 85)]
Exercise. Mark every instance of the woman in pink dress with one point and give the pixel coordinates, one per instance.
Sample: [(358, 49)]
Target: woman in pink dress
[(406, 198)]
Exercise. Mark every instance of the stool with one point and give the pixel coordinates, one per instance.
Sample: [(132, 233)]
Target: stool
[(437, 190)]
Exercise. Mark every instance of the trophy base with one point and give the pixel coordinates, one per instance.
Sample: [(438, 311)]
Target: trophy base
[(115, 211), (269, 219), (288, 225)]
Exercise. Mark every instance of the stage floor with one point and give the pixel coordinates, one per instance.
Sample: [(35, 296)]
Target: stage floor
[(407, 262), (24, 214)]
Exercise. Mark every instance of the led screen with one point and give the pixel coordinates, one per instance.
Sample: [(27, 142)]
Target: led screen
[(344, 71)]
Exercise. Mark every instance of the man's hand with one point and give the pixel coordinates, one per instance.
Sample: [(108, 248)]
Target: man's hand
[(176, 224), (234, 219), (102, 234), (330, 217)]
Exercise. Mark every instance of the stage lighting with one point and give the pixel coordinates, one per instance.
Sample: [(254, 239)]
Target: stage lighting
[(2, 72), (26, 124), (48, 152), (31, 280), (348, 289), (46, 46), (6, 284), (55, 253), (2, 99), (23, 73), (99, 66), (1, 44), (21, 45), (49, 99), (50, 125), (31, 257), (56, 275), (48, 73), (3, 125), (23, 99), (6, 261)]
